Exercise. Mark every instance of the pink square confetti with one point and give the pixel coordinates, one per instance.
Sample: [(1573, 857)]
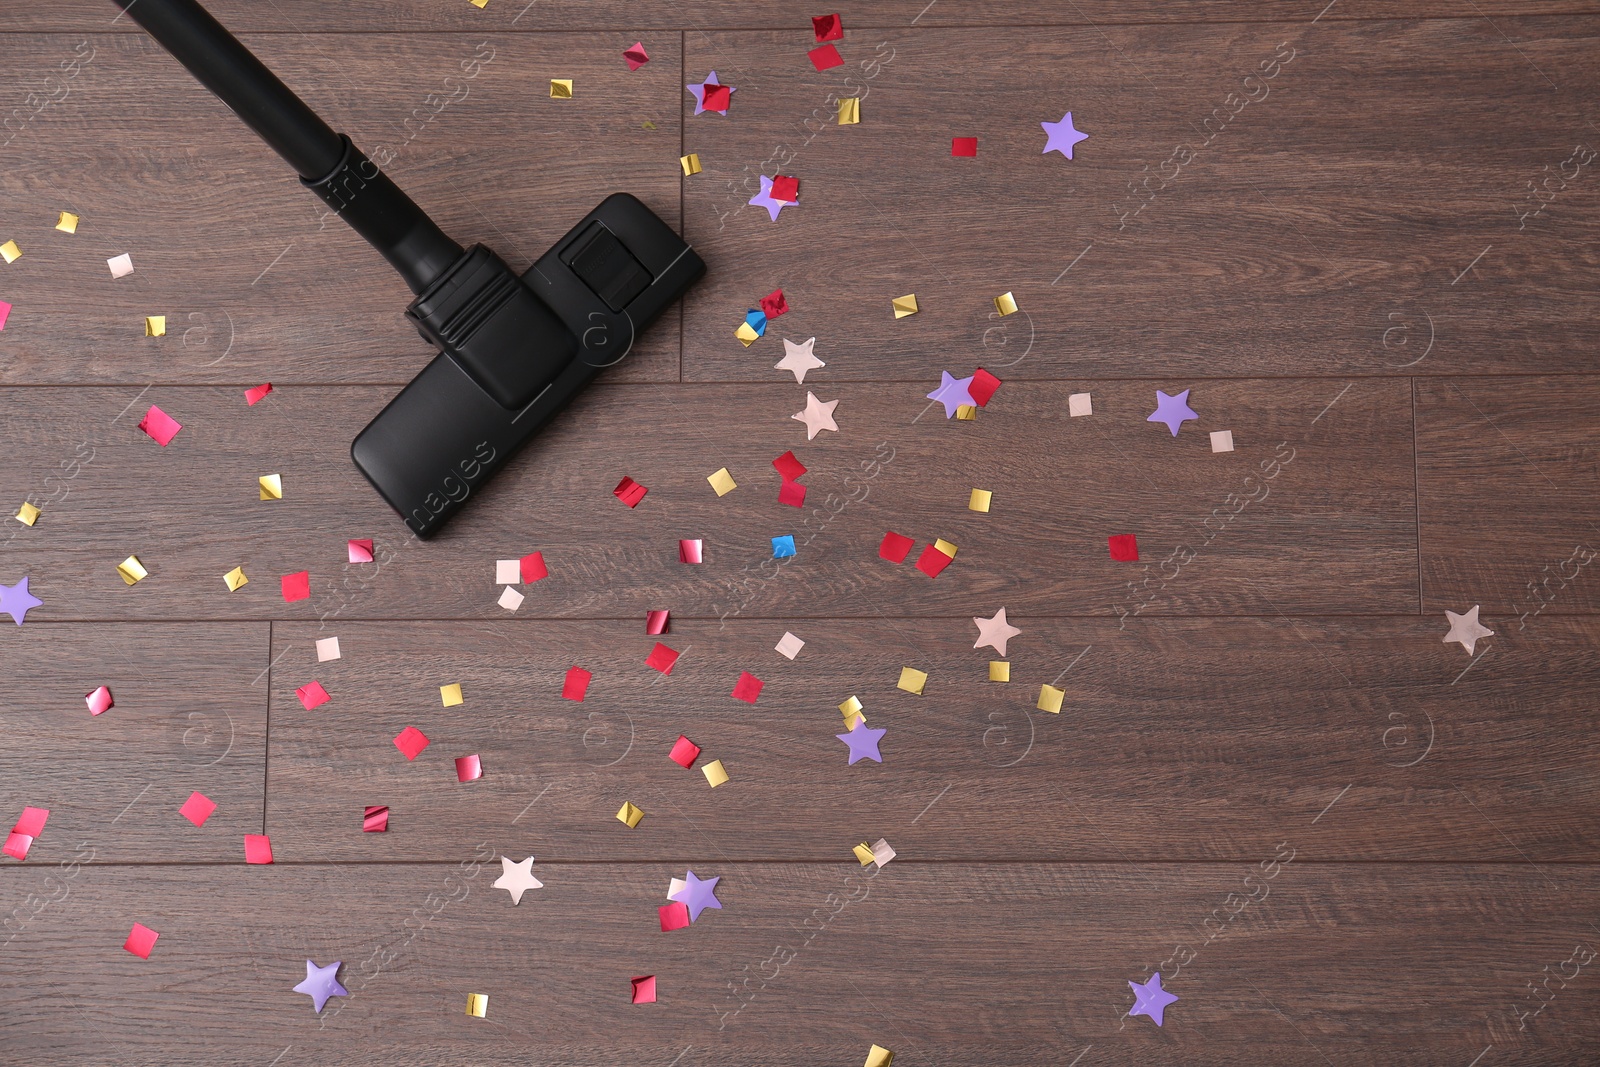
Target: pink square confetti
[(774, 304), (828, 27), (533, 567), (717, 98), (296, 586), (656, 623), (793, 494), (252, 397), (160, 426), (963, 146), (895, 547), (785, 188), (17, 845), (982, 387), (411, 741), (662, 658), (1124, 547), (674, 916), (375, 820), (932, 561), (5, 313), (312, 695), (198, 808), (359, 549), (469, 768), (141, 939), (577, 683), (689, 551), (99, 701), (636, 56), (747, 688), (825, 56), (629, 492), (257, 848), (788, 467), (684, 752), (32, 821), (644, 989)]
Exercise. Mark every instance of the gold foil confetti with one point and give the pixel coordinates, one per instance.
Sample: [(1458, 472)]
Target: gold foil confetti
[(904, 305), (980, 500), (1080, 404), (690, 163), (999, 670), (946, 547), (132, 570), (878, 1056), (912, 680), (966, 412), (155, 325), (629, 814), (234, 579), (746, 333), (271, 486), (67, 223), (849, 111), (1006, 304), (479, 4), (450, 695), (863, 853), (27, 514), (722, 482), (715, 773), (478, 1003), (10, 252), (851, 710), (1050, 699), (561, 88)]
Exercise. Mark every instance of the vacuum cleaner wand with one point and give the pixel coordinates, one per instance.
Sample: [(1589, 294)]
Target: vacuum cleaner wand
[(513, 351)]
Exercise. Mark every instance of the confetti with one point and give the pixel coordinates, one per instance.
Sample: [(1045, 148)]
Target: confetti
[(1222, 440), (1005, 304), (662, 658), (478, 1003), (904, 305), (657, 622), (252, 397), (722, 482), (629, 492), (684, 752), (862, 741), (783, 547), (878, 1056), (1079, 404), (827, 27), (793, 494), (851, 709), (516, 877), (155, 325), (674, 916), (1172, 410), (576, 684), (375, 819), (629, 815), (765, 199), (5, 313), (1061, 136), (774, 304), (469, 768), (635, 56), (746, 334), (881, 852), (963, 146), (789, 646), (999, 670), (850, 111), (1050, 699), (1124, 547), (321, 983), (99, 701), (953, 392), (160, 426), (689, 551), (983, 387), (450, 695), (863, 853), (561, 88), (327, 648), (995, 632), (747, 688), (510, 599), (690, 163), (235, 579), (296, 586), (1150, 999), (644, 989), (1466, 630), (784, 188), (257, 848), (198, 808), (411, 741), (10, 252), (358, 550), (715, 773), (932, 561), (132, 570), (16, 601), (312, 695), (67, 223), (979, 500), (711, 95), (817, 416), (121, 266), (798, 359), (28, 829), (533, 568), (966, 412), (141, 939), (895, 547), (271, 486), (697, 894), (912, 680), (825, 57)]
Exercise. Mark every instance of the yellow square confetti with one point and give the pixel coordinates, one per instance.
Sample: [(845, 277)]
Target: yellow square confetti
[(271, 486), (630, 815), (155, 325), (966, 412), (851, 710), (478, 1003), (849, 111), (912, 680), (27, 514), (746, 333), (10, 252), (878, 1056), (863, 853), (561, 88), (451, 695), (67, 223), (234, 579), (904, 305), (999, 670), (980, 500), (946, 547), (690, 163), (1005, 303), (479, 4), (722, 482), (1050, 699), (715, 773), (132, 570)]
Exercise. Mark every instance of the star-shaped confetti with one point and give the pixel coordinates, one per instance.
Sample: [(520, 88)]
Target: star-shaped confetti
[(16, 601), (1061, 136), (697, 894), (817, 416), (1466, 629), (863, 741), (952, 393), (711, 95), (321, 983), (798, 358), (517, 878), (1172, 410), (995, 632), (765, 199), (1150, 999)]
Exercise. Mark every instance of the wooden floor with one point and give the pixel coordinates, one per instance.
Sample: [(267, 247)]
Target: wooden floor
[(1364, 238)]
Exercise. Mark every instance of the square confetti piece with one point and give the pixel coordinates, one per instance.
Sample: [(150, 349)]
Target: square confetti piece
[(121, 266), (635, 56), (674, 916), (312, 696), (1050, 699), (1124, 547), (271, 486), (966, 412), (644, 989), (561, 88), (979, 500), (507, 571), (851, 708), (690, 163), (296, 586), (793, 494), (478, 1005), (912, 680), (99, 701), (235, 579), (786, 189), (132, 570), (722, 482), (358, 550), (863, 854), (999, 670), (895, 547), (577, 683), (932, 561), (31, 821), (904, 305), (773, 305), (254, 396), (789, 646), (746, 334), (510, 599), (657, 623), (375, 819), (983, 387), (827, 27), (788, 467), (662, 658), (68, 222), (1222, 440), (850, 111), (411, 741), (684, 752), (469, 768), (17, 845), (155, 325), (881, 852), (689, 551), (783, 547), (629, 492), (629, 815), (159, 426), (825, 57), (747, 688), (963, 146), (715, 773), (1079, 404), (945, 546), (1005, 304), (327, 648), (141, 939), (198, 808), (717, 98), (450, 695), (533, 568), (10, 252), (878, 1056), (257, 848)]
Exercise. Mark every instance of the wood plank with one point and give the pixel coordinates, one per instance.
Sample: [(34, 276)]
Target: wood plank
[(1179, 740), (190, 714), (1301, 237), (257, 280), (928, 960), (1214, 529)]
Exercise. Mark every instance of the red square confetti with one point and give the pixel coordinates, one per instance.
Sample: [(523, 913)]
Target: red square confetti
[(785, 188), (773, 304), (674, 916), (411, 741), (254, 396), (161, 427), (644, 989), (793, 494), (141, 939), (982, 386), (656, 622), (198, 808), (312, 695), (895, 547), (629, 492), (469, 768), (788, 467), (533, 567), (717, 98), (1124, 547), (747, 688), (577, 683), (636, 56), (99, 701), (375, 820), (297, 586), (257, 848), (359, 549), (825, 56), (689, 551), (32, 821), (932, 561), (684, 752), (963, 146), (828, 27), (17, 845), (662, 658)]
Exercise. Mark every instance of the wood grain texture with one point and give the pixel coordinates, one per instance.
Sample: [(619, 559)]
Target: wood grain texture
[(190, 714), (928, 960), (1321, 229), (1215, 530), (1179, 740), (257, 279)]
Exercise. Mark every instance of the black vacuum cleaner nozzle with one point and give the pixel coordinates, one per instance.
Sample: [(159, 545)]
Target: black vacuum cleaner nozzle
[(514, 350)]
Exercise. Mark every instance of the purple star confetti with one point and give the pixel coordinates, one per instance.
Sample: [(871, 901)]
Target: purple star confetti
[(719, 95), (698, 894), (1172, 410), (863, 741), (322, 983), (1150, 999), (952, 393), (16, 601), (765, 199), (1061, 136)]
